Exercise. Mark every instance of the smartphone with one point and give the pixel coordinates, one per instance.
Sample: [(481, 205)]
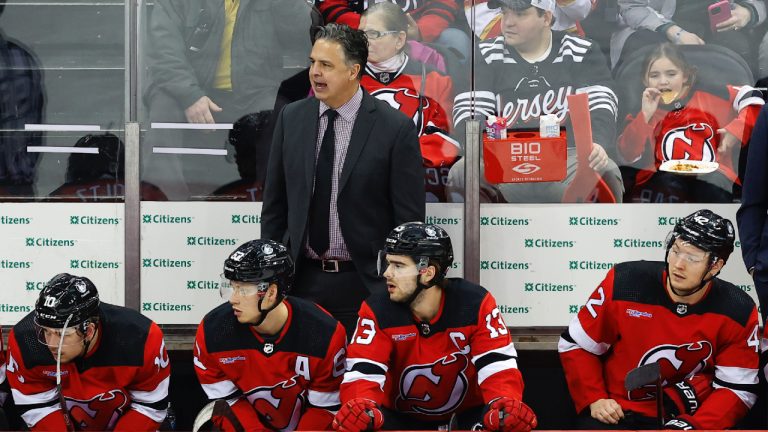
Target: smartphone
[(718, 12)]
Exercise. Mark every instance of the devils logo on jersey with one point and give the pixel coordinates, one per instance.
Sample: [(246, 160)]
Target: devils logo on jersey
[(676, 361), (279, 406), (434, 389), (406, 101), (98, 413), (692, 142)]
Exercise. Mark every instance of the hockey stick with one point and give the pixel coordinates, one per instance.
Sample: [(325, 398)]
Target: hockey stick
[(62, 403), (645, 375), (217, 408), (453, 423)]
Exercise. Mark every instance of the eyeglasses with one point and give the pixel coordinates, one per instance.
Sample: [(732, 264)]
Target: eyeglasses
[(689, 258), (375, 34)]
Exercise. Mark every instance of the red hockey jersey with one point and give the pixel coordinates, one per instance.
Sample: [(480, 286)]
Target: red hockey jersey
[(122, 384), (630, 321), (463, 358), (403, 91), (3, 384), (687, 129), (287, 382)]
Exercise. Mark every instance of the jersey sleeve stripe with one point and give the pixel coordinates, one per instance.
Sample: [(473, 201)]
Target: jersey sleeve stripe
[(736, 375), (584, 341), (2, 373), (497, 366), (326, 400), (746, 396), (159, 393), (31, 417), (566, 343), (352, 376), (44, 398), (220, 390), (747, 95), (366, 366), (156, 414)]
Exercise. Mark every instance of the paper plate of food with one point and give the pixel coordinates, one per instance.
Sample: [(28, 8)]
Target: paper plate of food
[(688, 167)]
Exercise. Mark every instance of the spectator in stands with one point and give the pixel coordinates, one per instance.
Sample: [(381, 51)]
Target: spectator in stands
[(529, 71), (487, 21), (420, 92), (249, 138), (99, 177), (21, 102), (680, 120), (684, 22), (214, 61), (429, 20)]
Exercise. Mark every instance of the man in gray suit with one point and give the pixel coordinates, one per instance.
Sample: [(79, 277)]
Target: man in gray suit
[(335, 204)]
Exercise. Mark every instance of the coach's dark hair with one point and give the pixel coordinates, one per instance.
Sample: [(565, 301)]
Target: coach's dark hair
[(353, 43)]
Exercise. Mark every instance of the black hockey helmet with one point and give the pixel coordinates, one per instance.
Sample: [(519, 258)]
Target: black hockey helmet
[(707, 231), (261, 261), (421, 240), (66, 295)]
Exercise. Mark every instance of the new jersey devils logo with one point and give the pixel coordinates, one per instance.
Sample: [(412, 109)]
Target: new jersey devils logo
[(280, 405), (692, 142), (676, 361), (406, 101), (433, 389), (98, 413)]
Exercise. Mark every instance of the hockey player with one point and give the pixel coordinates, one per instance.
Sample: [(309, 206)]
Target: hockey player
[(529, 71), (701, 330), (680, 120), (430, 347), (276, 359), (114, 368)]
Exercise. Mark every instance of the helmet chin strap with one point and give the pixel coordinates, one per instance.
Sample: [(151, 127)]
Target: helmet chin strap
[(264, 312), (702, 284)]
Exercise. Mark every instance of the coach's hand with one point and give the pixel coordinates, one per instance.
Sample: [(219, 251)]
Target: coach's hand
[(358, 415), (509, 415)]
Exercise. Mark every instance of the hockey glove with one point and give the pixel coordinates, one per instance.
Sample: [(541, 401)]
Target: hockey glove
[(508, 415), (358, 415), (683, 422), (687, 396)]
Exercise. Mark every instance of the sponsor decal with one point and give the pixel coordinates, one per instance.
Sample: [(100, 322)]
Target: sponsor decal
[(514, 309), (590, 265), (548, 243), (634, 313), (165, 219), (165, 263), (746, 288), (165, 307), (402, 337), (504, 265), (548, 287), (8, 264), (5, 307), (574, 308), (93, 220), (34, 285), (592, 221), (503, 221), (245, 219), (202, 285), (48, 242), (230, 360), (637, 243), (442, 220), (9, 220), (210, 241)]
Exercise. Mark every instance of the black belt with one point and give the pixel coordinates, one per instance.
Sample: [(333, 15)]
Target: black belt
[(331, 266)]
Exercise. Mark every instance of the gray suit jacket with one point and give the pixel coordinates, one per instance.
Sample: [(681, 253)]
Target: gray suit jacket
[(381, 183)]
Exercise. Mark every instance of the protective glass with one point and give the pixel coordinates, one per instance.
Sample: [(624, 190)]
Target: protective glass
[(676, 253), (375, 34), (51, 337), (400, 265), (228, 288)]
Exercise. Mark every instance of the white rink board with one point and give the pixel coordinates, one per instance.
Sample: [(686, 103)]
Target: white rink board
[(40, 240)]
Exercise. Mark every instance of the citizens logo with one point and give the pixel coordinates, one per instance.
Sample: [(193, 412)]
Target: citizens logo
[(165, 307), (504, 265), (548, 243), (8, 220), (503, 221), (34, 285), (202, 285), (637, 243), (442, 220), (574, 308), (245, 219), (48, 242), (547, 287), (165, 263), (5, 307), (507, 309), (165, 219), (668, 220), (8, 264), (93, 264), (210, 241), (746, 288), (592, 221), (589, 265), (93, 220)]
